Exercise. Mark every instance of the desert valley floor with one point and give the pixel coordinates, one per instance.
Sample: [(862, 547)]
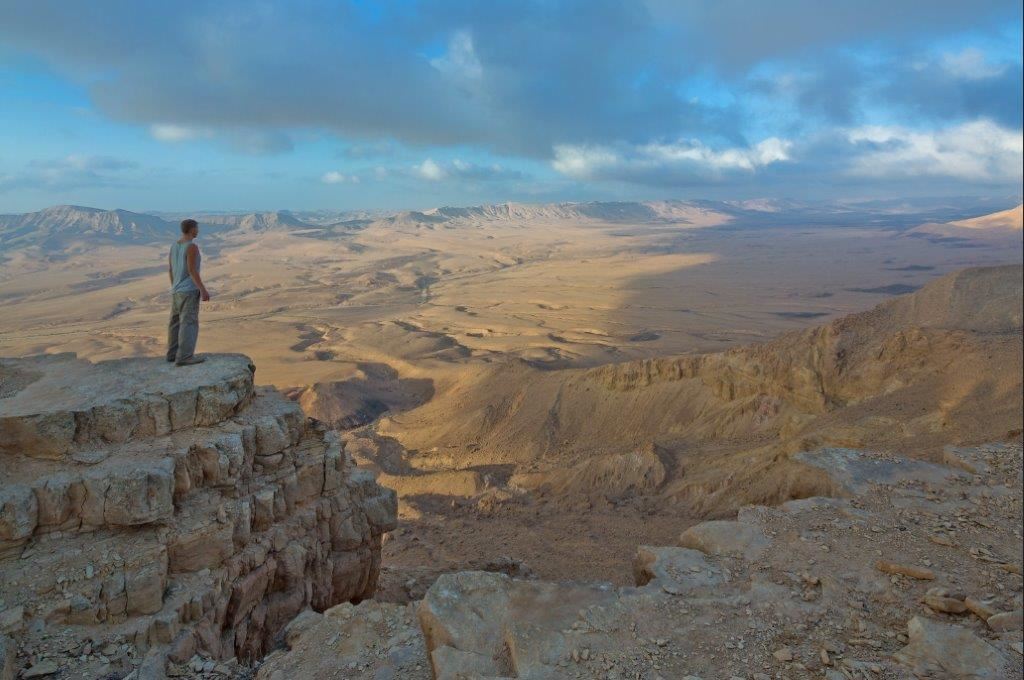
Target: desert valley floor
[(430, 294), (418, 333)]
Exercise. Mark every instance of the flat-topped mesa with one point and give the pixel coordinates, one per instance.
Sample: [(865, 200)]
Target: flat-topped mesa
[(178, 510)]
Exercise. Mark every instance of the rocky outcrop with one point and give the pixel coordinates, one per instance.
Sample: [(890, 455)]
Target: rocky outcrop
[(796, 590), (916, 574), (181, 511), (938, 649), (371, 641), (939, 366)]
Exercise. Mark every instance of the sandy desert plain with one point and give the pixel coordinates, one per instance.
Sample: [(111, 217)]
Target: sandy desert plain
[(454, 346)]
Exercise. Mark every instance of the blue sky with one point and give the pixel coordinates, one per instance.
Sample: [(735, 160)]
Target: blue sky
[(398, 104)]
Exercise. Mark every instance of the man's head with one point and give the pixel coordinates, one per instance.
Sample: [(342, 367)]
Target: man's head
[(190, 228)]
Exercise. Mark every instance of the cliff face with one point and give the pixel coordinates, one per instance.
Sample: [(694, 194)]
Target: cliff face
[(939, 366), (173, 510)]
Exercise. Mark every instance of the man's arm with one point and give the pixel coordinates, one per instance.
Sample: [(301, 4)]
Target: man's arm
[(192, 260), (170, 269)]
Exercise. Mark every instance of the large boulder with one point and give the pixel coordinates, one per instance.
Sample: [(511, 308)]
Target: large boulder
[(677, 570), (947, 650), (734, 539), (369, 641)]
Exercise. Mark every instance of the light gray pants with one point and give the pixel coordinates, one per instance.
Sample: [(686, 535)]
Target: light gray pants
[(183, 329)]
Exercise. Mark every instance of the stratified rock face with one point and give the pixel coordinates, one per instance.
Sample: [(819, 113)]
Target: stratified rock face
[(53, 404), (175, 509)]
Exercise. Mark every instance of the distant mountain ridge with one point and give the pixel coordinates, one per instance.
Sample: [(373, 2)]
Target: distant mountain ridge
[(64, 224), (256, 221), (598, 211), (1002, 225), (60, 226)]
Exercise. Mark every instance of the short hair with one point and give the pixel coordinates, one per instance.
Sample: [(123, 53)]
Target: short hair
[(188, 225)]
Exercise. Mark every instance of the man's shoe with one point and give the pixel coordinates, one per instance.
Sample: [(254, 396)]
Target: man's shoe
[(191, 361), (170, 360)]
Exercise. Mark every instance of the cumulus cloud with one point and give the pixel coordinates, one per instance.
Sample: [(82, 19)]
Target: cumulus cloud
[(253, 141), (978, 151), (336, 177), (682, 161), (970, 64), (513, 77), (591, 87), (460, 61), (169, 132), (582, 162), (430, 170), (466, 170), (459, 169)]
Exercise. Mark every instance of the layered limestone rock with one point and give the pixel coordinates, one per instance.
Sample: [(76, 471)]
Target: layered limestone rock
[(916, 572), (145, 506)]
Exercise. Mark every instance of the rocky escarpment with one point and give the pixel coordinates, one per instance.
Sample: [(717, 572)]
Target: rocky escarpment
[(914, 572), (936, 367), (149, 512)]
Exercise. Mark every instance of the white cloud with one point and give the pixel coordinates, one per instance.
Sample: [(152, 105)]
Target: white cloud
[(335, 177), (766, 152), (460, 61), (978, 150), (464, 171), (176, 133), (674, 159), (430, 170), (583, 161), (970, 64), (245, 140)]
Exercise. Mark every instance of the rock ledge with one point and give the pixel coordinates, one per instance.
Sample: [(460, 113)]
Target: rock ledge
[(149, 512)]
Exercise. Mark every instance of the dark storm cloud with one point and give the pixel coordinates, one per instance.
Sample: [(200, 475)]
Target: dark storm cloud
[(736, 34), (516, 77), (511, 77), (925, 89), (942, 91)]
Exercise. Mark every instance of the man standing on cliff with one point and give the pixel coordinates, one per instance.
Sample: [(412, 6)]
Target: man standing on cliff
[(187, 290)]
